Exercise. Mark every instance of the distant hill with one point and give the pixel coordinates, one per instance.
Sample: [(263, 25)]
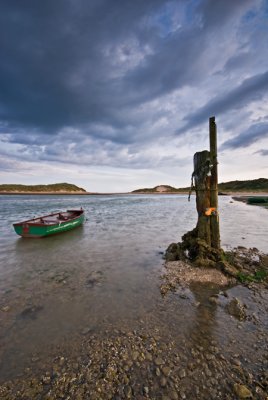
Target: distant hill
[(54, 188), (255, 185), (161, 189)]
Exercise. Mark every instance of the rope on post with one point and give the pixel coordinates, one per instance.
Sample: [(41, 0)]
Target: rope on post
[(203, 171)]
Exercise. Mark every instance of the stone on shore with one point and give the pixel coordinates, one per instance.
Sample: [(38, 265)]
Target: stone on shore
[(242, 391)]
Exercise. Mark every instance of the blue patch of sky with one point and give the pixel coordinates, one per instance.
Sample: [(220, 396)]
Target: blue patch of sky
[(163, 21), (249, 16), (265, 9), (191, 16), (264, 17), (164, 18), (175, 15), (260, 13)]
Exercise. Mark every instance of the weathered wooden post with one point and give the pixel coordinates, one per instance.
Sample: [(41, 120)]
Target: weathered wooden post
[(202, 244), (205, 178), (214, 218)]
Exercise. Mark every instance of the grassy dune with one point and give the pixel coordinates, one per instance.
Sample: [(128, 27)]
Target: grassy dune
[(54, 188)]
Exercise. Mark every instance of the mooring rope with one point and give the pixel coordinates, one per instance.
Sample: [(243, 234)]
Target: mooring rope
[(191, 187), (204, 171)]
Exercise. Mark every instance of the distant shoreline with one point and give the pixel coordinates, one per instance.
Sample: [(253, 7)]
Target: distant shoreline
[(45, 193), (238, 194), (86, 193), (253, 187)]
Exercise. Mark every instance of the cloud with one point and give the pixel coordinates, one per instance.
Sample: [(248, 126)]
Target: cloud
[(251, 89), (253, 134), (237, 61), (263, 152)]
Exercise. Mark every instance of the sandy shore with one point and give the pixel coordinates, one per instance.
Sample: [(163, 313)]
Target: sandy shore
[(180, 273)]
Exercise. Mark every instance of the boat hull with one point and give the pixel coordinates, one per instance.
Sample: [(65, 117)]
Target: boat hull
[(29, 230)]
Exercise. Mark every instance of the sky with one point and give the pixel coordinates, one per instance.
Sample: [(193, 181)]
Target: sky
[(116, 95)]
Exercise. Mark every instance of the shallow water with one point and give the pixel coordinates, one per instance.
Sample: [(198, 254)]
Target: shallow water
[(106, 273)]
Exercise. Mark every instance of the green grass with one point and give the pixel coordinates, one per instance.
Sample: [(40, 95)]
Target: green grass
[(258, 276), (56, 187), (254, 185)]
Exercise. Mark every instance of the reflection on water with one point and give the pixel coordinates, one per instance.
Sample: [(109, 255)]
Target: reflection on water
[(205, 319), (106, 273)]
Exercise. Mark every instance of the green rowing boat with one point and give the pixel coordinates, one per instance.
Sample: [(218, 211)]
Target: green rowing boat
[(50, 224)]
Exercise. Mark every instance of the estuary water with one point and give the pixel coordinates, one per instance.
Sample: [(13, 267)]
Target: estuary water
[(103, 274)]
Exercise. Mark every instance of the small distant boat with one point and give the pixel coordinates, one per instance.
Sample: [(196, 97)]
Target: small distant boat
[(50, 224), (260, 200)]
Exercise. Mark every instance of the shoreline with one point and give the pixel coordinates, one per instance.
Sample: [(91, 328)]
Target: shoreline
[(45, 193), (88, 193), (236, 194)]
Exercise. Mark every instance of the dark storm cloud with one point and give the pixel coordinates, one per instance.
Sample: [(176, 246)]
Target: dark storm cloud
[(57, 65), (54, 71), (179, 59), (253, 88), (251, 135)]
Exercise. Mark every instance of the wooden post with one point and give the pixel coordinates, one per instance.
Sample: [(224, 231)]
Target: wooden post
[(202, 244), (214, 218)]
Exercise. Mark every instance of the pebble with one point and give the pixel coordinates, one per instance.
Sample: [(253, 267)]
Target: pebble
[(213, 300), (163, 381), (210, 357), (135, 355), (242, 391), (182, 373), (236, 309), (46, 380), (145, 390), (166, 371), (149, 356), (128, 392), (173, 395), (237, 362), (85, 331), (62, 361), (5, 308), (159, 361)]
